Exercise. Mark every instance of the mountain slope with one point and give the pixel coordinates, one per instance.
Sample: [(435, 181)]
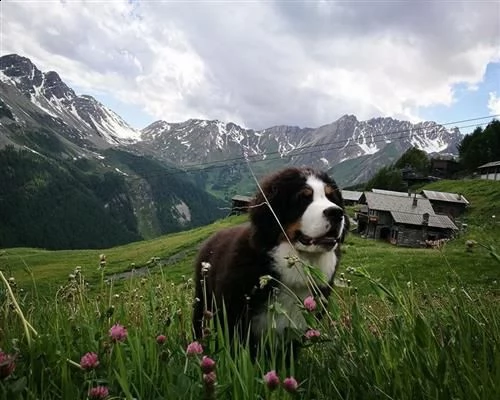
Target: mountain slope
[(69, 182), (92, 121), (199, 141), (368, 144)]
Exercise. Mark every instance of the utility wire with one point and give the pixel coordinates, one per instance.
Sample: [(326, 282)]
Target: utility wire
[(243, 159), (193, 167)]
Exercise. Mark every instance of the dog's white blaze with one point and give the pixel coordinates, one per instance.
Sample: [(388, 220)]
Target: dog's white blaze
[(313, 221), (294, 279)]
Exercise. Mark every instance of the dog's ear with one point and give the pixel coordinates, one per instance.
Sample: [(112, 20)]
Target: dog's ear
[(271, 202), (265, 228)]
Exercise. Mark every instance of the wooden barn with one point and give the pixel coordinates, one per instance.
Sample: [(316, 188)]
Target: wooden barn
[(414, 230), (240, 204), (351, 197), (451, 204), (401, 218), (490, 171)]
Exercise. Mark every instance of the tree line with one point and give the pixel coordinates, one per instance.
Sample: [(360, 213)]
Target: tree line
[(475, 149)]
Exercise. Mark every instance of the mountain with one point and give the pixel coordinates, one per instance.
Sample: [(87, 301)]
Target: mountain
[(337, 146), (167, 176), (46, 100), (68, 181)]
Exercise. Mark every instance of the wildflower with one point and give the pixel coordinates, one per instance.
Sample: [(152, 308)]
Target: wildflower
[(310, 303), (205, 266), (207, 365), (98, 392), (194, 348), (292, 260), (206, 331), (272, 380), (208, 315), (118, 333), (210, 380), (160, 339), (89, 361), (312, 333), (290, 384), (264, 280), (7, 365)]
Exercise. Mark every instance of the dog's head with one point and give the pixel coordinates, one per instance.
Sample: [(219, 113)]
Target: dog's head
[(309, 206)]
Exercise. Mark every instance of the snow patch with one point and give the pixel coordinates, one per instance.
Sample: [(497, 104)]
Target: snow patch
[(325, 162), (183, 213), (121, 172), (33, 151)]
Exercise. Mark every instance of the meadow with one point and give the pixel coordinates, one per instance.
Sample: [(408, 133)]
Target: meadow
[(401, 324)]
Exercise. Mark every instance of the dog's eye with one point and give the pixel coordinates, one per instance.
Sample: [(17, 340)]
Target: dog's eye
[(329, 190), (306, 192)]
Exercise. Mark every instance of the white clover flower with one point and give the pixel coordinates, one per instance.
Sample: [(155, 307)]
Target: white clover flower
[(292, 260), (264, 280), (205, 266)]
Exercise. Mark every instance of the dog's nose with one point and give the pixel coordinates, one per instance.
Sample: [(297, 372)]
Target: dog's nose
[(334, 214)]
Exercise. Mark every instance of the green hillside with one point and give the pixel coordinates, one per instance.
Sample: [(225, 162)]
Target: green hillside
[(483, 195), (176, 251), (406, 324)]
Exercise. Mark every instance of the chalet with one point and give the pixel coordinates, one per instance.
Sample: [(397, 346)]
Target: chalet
[(351, 197), (413, 230), (490, 171), (450, 204), (401, 218), (444, 166), (240, 204)]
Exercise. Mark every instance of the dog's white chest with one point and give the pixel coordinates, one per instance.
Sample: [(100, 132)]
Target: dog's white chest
[(293, 289)]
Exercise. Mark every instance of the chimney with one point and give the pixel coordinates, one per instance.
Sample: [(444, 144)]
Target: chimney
[(415, 200), (425, 219), (459, 196)]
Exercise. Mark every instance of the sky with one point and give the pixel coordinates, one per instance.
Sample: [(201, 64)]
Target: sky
[(266, 63)]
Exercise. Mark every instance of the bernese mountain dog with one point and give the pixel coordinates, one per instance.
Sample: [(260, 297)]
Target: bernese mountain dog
[(243, 269)]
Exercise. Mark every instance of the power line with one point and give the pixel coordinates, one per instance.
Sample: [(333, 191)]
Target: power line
[(242, 159), (194, 167)]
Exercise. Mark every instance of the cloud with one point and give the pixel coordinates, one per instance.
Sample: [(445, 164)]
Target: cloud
[(261, 63), (494, 103)]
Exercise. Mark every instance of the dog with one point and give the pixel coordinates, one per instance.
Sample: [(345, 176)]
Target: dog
[(231, 264)]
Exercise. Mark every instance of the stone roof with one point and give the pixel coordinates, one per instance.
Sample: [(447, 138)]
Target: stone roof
[(383, 202), (394, 193), (490, 164), (435, 221), (445, 196), (238, 197), (351, 195)]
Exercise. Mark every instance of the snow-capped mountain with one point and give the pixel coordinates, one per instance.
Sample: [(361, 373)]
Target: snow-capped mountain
[(49, 95), (67, 176), (200, 142)]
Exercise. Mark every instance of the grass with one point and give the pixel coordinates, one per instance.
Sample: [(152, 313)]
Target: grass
[(404, 324), (399, 342)]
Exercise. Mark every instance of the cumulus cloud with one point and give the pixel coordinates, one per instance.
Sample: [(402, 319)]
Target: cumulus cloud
[(261, 63), (494, 103)]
